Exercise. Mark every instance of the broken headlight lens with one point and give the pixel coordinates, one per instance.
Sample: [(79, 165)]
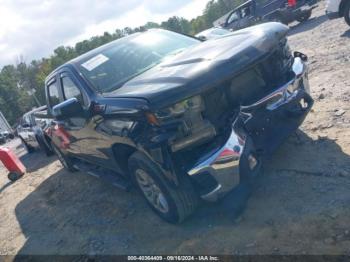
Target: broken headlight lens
[(193, 103)]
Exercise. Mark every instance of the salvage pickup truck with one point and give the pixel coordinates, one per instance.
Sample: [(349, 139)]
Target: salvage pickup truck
[(181, 118)]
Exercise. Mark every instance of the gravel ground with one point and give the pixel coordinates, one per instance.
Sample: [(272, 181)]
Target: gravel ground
[(299, 206)]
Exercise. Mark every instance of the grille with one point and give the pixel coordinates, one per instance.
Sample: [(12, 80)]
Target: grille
[(222, 103)]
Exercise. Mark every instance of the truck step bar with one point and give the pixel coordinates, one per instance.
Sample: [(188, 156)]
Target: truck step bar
[(107, 175)]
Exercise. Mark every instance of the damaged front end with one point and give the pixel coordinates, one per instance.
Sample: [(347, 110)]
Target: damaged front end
[(220, 137), (258, 129)]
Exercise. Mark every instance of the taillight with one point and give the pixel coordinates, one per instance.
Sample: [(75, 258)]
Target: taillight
[(228, 155), (292, 3)]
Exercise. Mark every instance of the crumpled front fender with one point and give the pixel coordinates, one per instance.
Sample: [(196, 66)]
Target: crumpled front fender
[(258, 130)]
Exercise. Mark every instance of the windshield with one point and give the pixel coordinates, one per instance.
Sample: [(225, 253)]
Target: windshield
[(126, 58)]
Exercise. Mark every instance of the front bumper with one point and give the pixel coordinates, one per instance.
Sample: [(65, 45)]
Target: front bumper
[(259, 127), (225, 165), (300, 11), (332, 15)]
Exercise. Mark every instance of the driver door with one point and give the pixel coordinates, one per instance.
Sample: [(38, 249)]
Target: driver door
[(84, 139)]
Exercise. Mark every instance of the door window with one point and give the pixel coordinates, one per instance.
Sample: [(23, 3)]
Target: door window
[(246, 12), (70, 90), (54, 97), (233, 17), (25, 121)]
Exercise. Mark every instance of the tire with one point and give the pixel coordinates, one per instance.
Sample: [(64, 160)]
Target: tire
[(304, 17), (278, 18), (347, 13), (172, 204), (13, 176), (43, 146), (66, 161), (29, 148)]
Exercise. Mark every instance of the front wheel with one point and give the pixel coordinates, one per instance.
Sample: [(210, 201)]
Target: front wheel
[(44, 147), (304, 17), (347, 13), (29, 148), (14, 176), (65, 160), (171, 204)]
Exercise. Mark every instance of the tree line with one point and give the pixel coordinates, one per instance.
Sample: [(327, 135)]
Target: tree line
[(22, 84)]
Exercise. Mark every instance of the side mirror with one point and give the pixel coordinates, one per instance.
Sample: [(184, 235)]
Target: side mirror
[(202, 38), (67, 109), (303, 57)]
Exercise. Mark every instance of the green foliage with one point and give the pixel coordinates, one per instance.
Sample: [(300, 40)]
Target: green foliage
[(17, 82)]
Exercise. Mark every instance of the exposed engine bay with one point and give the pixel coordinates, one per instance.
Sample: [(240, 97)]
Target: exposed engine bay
[(203, 117), (239, 122)]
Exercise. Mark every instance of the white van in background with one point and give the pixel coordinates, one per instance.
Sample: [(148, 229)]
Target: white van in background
[(338, 8)]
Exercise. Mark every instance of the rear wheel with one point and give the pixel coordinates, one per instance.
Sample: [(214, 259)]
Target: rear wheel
[(304, 17), (13, 176), (171, 204), (65, 160), (347, 13), (44, 147), (29, 148)]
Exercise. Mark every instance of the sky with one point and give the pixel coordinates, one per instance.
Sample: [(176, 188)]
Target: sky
[(32, 29)]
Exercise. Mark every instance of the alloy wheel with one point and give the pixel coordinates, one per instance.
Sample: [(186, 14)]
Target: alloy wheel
[(151, 190)]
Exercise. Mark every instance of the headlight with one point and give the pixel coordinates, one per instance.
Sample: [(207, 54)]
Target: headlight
[(194, 103), (292, 88)]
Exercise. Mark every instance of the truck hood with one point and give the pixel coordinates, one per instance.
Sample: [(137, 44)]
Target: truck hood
[(202, 66)]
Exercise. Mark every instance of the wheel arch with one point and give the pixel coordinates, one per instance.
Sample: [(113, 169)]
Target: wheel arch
[(121, 153), (342, 7)]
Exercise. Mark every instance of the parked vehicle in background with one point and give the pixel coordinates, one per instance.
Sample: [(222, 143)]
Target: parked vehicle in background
[(5, 127), (180, 117), (32, 131), (2, 138), (337, 9), (5, 136), (212, 33), (253, 12)]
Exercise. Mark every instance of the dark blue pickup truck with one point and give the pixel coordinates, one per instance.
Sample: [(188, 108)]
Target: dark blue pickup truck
[(256, 11), (180, 118)]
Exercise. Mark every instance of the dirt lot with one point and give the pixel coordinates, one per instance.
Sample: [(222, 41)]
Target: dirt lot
[(300, 204)]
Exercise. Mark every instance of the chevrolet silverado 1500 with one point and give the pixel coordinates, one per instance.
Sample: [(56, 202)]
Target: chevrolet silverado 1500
[(181, 118)]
